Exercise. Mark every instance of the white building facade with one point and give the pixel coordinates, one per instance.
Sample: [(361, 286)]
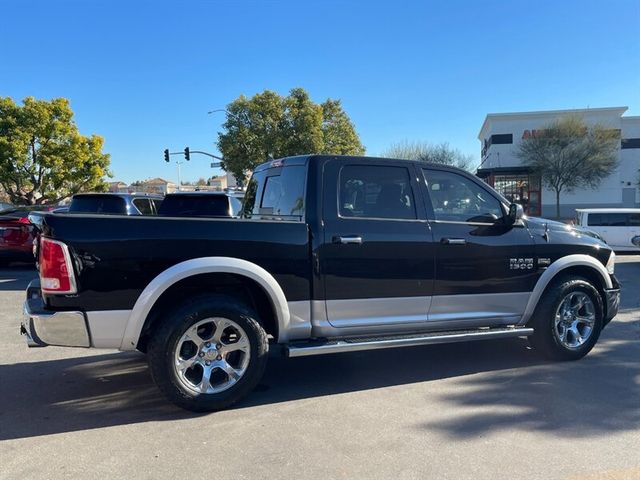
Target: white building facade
[(501, 134)]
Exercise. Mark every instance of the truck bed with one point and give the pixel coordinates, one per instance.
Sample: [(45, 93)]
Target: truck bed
[(116, 257)]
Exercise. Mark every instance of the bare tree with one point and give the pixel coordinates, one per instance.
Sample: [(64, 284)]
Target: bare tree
[(568, 154), (440, 153)]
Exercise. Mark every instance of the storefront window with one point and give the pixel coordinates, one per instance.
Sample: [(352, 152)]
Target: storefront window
[(523, 189)]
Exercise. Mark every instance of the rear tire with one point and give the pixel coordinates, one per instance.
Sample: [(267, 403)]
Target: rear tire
[(208, 353), (568, 320)]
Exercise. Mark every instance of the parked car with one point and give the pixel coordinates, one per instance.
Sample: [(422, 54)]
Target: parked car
[(116, 203), (333, 254), (17, 234), (5, 206), (618, 226), (200, 204)]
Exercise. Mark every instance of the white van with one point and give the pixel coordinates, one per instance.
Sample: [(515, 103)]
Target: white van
[(618, 226)]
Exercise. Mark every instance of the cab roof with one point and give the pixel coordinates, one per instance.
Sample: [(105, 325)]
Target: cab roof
[(303, 160)]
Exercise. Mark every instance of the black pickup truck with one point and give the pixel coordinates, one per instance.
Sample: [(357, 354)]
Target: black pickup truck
[(332, 254)]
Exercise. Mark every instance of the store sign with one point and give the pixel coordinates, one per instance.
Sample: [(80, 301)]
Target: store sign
[(533, 133)]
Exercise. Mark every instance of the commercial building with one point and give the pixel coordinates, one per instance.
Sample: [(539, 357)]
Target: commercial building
[(501, 134)]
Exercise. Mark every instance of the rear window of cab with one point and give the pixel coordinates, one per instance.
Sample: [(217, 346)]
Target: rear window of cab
[(276, 194), (98, 204)]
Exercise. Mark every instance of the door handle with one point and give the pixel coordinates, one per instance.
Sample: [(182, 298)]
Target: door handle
[(454, 241), (355, 239)]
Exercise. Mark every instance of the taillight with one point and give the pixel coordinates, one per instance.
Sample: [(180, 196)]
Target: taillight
[(56, 271)]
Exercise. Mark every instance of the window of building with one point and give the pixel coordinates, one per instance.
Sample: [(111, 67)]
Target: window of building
[(376, 192), (630, 143), (457, 198), (501, 139), (522, 188), (496, 139)]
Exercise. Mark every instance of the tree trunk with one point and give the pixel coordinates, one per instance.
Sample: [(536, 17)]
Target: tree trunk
[(558, 204)]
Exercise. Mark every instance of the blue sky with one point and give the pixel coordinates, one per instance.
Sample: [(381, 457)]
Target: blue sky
[(144, 74)]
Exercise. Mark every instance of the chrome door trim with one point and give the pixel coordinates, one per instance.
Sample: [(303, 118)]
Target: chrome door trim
[(478, 306), (372, 316), (364, 312)]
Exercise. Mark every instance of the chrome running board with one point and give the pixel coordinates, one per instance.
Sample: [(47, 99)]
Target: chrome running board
[(373, 343)]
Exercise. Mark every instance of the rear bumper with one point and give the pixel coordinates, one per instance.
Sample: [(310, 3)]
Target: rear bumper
[(612, 304), (42, 327)]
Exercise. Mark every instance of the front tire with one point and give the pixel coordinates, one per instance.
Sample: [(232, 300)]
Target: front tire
[(568, 320), (208, 353)]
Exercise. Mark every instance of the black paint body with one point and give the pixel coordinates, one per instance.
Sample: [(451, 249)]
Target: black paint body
[(116, 257)]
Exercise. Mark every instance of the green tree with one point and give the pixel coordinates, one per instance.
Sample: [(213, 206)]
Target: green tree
[(338, 131), (269, 125), (43, 157), (440, 153), (569, 154)]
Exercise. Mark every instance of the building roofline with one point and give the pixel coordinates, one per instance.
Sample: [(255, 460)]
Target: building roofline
[(541, 113)]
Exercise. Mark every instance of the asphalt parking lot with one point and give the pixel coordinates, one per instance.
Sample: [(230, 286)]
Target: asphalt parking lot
[(485, 410)]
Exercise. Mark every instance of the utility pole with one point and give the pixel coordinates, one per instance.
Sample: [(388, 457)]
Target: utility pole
[(178, 163)]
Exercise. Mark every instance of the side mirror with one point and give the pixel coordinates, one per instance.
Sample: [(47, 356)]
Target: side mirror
[(516, 212)]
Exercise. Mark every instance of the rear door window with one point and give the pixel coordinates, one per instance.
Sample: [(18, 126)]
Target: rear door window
[(367, 191)]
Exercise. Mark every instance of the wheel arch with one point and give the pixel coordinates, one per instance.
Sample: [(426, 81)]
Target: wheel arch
[(183, 271), (580, 265)]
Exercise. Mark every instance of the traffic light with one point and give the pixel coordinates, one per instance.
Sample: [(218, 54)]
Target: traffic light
[(166, 155), (187, 154)]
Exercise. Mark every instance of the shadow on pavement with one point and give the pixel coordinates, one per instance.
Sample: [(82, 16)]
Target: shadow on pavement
[(595, 396)]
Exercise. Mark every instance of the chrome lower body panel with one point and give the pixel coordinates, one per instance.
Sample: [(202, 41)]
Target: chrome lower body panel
[(369, 312), (42, 328), (358, 344), (402, 315)]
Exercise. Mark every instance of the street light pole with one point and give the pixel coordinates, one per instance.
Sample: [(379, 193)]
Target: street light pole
[(178, 163)]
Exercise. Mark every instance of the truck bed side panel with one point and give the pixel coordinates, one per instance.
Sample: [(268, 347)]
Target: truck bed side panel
[(116, 257)]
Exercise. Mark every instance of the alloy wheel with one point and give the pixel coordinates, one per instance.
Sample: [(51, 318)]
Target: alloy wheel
[(574, 320), (212, 355)]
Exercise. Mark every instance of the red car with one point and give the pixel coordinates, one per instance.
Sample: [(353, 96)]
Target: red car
[(17, 234)]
